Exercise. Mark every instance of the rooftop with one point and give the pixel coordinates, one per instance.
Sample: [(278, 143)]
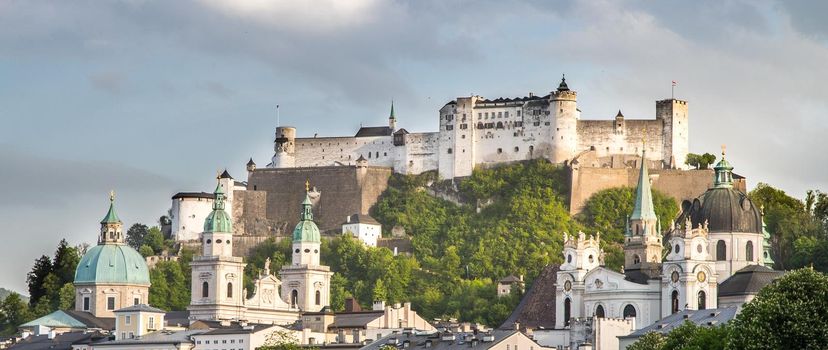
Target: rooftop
[(537, 308), (749, 280), (709, 317), (443, 341), (370, 131), (142, 308)]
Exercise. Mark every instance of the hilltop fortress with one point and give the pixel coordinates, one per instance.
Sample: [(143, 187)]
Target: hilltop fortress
[(349, 173), (475, 131)]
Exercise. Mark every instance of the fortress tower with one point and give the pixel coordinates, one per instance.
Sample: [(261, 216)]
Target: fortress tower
[(673, 113), (284, 148), (563, 105)]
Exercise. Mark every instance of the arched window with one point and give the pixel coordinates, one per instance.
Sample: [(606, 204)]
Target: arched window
[(675, 302), (749, 251), (599, 311), (294, 297), (721, 250), (636, 259), (205, 289), (318, 298), (702, 300), (567, 306), (229, 290), (629, 311)]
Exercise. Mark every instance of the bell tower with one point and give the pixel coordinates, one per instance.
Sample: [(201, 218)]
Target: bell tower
[(642, 244)]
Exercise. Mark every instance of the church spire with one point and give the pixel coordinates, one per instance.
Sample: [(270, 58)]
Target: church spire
[(218, 220), (307, 206), (392, 119), (111, 217), (724, 173), (644, 209)]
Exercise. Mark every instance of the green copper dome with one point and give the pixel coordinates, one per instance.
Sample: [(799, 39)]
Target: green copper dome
[(112, 263), (218, 220), (306, 230)]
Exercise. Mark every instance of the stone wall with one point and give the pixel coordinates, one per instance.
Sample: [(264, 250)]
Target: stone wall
[(343, 190), (679, 184)]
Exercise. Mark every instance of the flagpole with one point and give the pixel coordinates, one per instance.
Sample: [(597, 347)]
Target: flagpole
[(277, 116)]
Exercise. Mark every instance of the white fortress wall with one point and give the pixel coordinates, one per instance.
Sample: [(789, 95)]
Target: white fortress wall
[(328, 151), (418, 154), (610, 140)]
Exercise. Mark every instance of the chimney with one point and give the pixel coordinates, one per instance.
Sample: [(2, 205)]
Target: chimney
[(379, 305), (351, 305), (517, 326), (348, 219), (531, 94)]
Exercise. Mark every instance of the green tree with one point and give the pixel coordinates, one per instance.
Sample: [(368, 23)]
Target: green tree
[(339, 292), (649, 341), (154, 239), (66, 297), (170, 290), (700, 161), (65, 262), (35, 277), (146, 251), (379, 293), (13, 312), (791, 313), (135, 235)]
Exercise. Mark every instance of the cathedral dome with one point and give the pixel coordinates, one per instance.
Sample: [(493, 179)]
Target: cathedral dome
[(722, 207), (112, 264)]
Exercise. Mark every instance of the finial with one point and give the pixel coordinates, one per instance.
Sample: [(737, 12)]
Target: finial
[(724, 147), (307, 185), (218, 174), (112, 195), (762, 209)]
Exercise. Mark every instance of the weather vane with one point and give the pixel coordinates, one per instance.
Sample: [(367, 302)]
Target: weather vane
[(111, 195), (307, 185)]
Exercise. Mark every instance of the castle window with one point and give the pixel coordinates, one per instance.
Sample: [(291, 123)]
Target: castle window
[(721, 250), (506, 114), (517, 149), (629, 311), (110, 303), (499, 114), (230, 290), (518, 113), (749, 251), (499, 150), (205, 289), (567, 307), (599, 311), (479, 116), (318, 298), (674, 301), (385, 154), (449, 151), (702, 300)]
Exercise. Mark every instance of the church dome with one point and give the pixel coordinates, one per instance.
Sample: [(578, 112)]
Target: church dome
[(306, 230), (112, 264), (218, 220), (724, 208)]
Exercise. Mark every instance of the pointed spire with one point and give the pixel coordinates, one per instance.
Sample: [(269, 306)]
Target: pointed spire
[(644, 208), (562, 86), (218, 203), (724, 172), (392, 116), (619, 115), (111, 217)]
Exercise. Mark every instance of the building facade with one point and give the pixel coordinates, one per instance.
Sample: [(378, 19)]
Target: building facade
[(475, 131)]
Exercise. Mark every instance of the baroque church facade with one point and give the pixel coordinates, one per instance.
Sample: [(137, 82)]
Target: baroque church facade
[(475, 131), (217, 291), (717, 235)]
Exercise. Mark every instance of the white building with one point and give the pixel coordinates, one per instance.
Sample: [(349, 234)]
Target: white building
[(475, 131), (190, 209), (364, 228), (236, 336)]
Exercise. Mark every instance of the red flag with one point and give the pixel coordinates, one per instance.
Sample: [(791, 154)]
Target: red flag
[(674, 83)]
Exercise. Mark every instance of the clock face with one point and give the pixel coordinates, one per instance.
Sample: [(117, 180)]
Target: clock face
[(701, 276), (674, 277), (568, 286)]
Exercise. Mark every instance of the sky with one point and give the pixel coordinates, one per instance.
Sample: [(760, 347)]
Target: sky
[(153, 97)]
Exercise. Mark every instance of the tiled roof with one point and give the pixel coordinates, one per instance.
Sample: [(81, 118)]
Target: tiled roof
[(141, 307), (236, 328), (359, 319), (156, 338), (368, 131), (362, 219), (194, 195), (709, 317), (62, 341), (749, 280), (537, 308), (459, 341)]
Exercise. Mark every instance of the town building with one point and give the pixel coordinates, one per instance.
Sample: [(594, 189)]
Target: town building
[(355, 326), (238, 336), (494, 340), (364, 228), (137, 321)]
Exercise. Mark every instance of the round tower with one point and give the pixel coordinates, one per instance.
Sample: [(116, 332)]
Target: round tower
[(284, 147), (563, 105)]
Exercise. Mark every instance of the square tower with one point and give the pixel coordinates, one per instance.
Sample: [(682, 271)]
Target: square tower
[(675, 132)]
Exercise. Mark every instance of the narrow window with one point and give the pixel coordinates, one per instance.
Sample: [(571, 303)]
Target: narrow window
[(294, 297), (229, 290), (599, 311), (136, 301), (567, 306), (205, 289), (675, 302), (629, 311), (318, 298), (702, 300), (721, 250), (749, 251), (85, 303), (110, 303)]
